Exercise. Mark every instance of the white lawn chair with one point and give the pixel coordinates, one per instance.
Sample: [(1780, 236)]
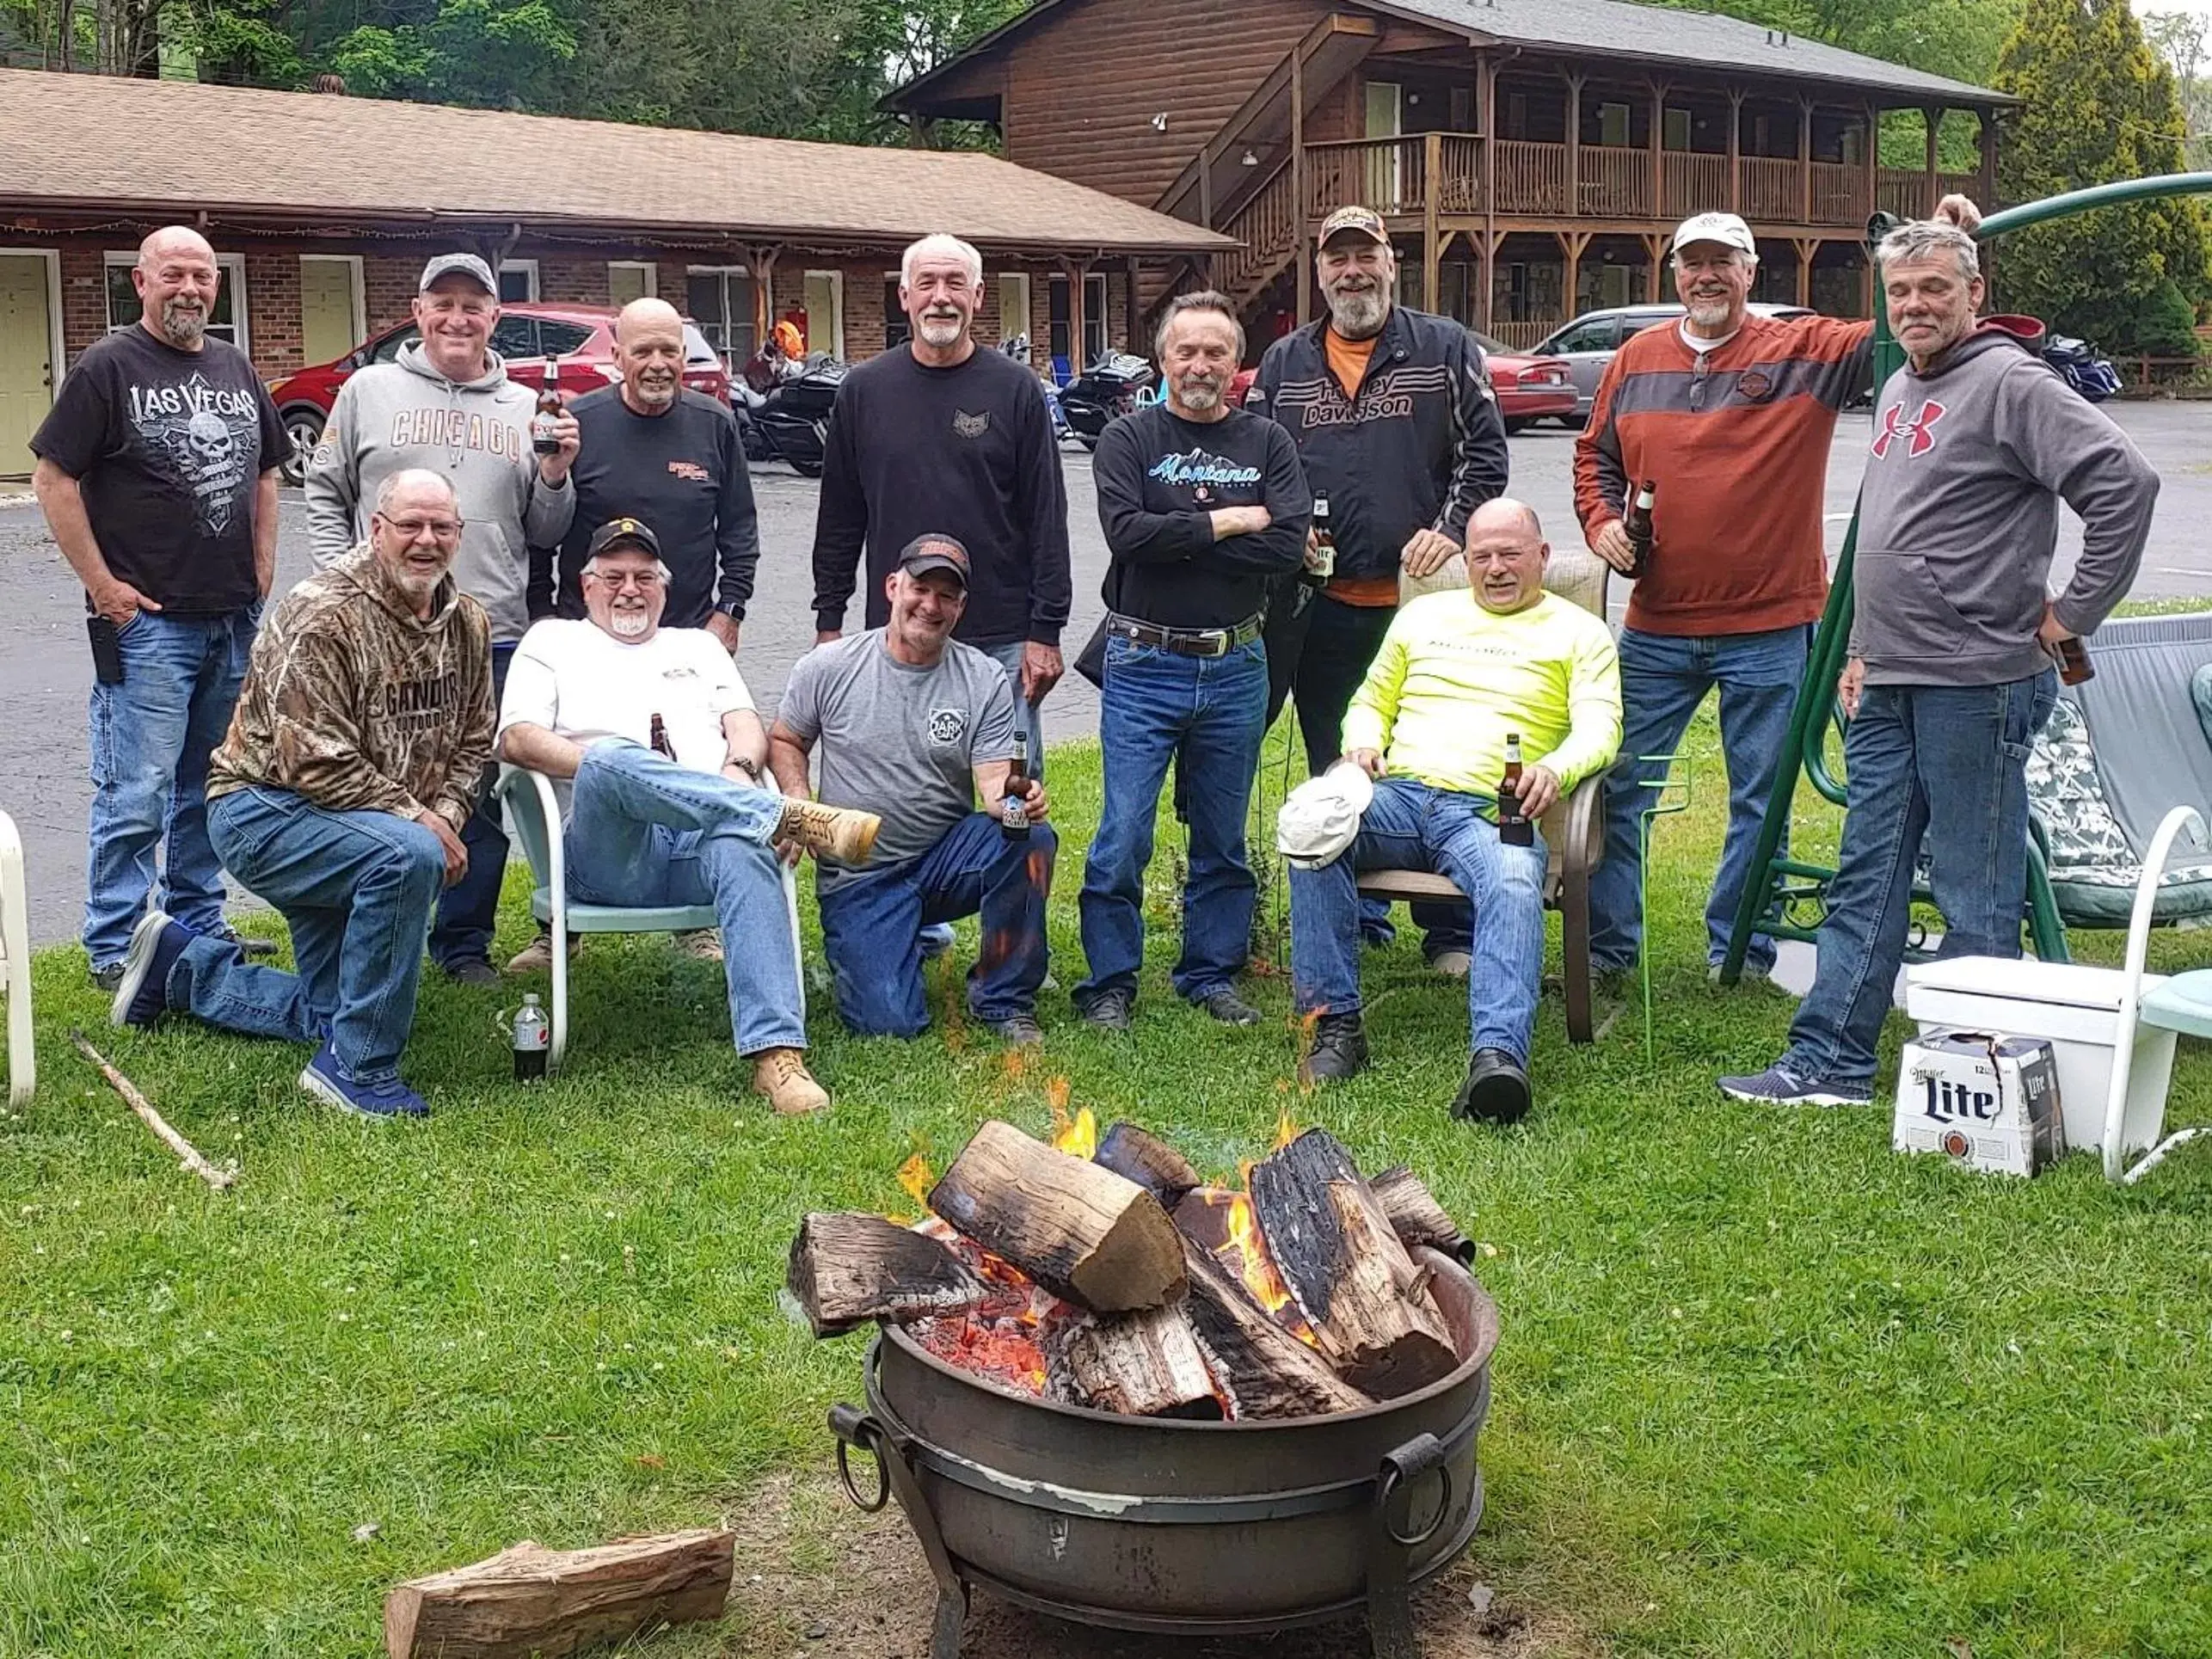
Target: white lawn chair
[(16, 966), (2180, 1003), (535, 812)]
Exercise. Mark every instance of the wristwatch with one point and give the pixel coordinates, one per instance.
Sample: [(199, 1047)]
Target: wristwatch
[(732, 609)]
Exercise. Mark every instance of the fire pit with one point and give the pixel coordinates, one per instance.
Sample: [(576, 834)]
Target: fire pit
[(1173, 1527)]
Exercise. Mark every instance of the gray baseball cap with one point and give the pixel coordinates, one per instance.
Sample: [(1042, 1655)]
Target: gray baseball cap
[(467, 264)]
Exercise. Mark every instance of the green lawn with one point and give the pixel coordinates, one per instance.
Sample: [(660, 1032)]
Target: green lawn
[(1764, 1388)]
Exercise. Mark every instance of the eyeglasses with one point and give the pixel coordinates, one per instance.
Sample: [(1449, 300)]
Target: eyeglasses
[(643, 581), (442, 530)]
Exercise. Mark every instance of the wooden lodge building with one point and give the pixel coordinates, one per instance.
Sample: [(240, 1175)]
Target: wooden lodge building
[(1532, 156), (323, 208)]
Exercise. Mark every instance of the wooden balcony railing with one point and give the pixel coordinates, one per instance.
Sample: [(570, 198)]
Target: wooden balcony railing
[(1616, 182), (1388, 175), (1522, 335), (1772, 192), (1839, 195), (1903, 191), (1460, 169), (1695, 184), (1532, 178)]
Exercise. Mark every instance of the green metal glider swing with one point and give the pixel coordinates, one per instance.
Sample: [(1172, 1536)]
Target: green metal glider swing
[(1787, 897)]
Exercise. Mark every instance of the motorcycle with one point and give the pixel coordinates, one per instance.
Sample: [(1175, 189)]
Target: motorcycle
[(1017, 347), (2083, 367), (789, 423), (1113, 385)]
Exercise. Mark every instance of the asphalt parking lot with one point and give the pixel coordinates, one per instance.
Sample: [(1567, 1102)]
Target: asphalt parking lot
[(45, 671)]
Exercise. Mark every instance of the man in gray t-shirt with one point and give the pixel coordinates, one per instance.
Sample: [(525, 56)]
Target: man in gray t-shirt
[(914, 726)]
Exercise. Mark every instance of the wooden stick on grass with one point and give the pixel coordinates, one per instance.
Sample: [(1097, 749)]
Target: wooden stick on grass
[(187, 1154)]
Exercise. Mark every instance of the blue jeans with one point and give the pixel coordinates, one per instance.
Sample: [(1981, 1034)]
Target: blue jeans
[(872, 924), (1205, 715), (1027, 715), (356, 890), (1949, 763), (645, 832), (1663, 679), (468, 911), (1410, 826), (151, 736)]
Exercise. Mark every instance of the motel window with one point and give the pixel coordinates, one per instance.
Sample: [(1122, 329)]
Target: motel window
[(227, 322), (897, 330), (1094, 320), (518, 281), (720, 300)]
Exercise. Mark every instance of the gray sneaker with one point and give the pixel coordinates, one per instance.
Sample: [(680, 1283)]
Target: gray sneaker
[(1777, 1085)]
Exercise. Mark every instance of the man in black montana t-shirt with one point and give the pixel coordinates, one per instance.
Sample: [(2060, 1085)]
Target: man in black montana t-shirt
[(158, 473), (1203, 507)]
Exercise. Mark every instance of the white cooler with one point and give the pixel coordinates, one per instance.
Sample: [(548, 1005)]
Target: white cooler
[(2076, 1008)]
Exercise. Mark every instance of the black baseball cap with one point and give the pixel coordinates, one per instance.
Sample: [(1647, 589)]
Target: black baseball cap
[(934, 552), (615, 532)]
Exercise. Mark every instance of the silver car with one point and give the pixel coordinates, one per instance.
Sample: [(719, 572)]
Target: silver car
[(1587, 344)]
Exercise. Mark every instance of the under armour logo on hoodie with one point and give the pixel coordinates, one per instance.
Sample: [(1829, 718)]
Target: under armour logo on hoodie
[(1920, 429)]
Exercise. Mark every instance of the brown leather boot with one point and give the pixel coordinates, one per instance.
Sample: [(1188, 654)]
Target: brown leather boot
[(844, 834), (782, 1075)]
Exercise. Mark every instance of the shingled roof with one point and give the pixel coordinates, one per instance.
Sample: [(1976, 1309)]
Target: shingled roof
[(1595, 29), (160, 148)]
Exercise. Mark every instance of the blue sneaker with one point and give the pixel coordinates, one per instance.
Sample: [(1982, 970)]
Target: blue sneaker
[(1777, 1085), (389, 1099), (142, 985)]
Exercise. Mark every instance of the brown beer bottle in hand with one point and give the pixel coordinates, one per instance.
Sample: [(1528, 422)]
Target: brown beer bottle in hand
[(2073, 658), (543, 438), (1514, 828), (1014, 808), (1321, 561), (1636, 521), (661, 745)]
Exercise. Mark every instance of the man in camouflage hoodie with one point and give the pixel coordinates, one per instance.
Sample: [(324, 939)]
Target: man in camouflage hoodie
[(340, 796)]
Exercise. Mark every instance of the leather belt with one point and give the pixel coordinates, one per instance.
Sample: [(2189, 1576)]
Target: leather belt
[(1186, 641)]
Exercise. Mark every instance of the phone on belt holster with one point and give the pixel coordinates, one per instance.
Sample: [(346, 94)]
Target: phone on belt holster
[(107, 649)]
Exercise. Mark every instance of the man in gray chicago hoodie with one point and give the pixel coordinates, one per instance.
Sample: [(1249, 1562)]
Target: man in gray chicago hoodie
[(1976, 443), (447, 406)]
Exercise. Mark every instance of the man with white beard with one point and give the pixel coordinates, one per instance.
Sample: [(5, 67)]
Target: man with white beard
[(1391, 412)]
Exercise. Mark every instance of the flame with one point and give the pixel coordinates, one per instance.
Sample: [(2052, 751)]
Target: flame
[(917, 1177), (1285, 1131), (1253, 1261), (1076, 1136)]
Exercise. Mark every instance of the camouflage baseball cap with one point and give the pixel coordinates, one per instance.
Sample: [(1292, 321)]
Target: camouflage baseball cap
[(1365, 221)]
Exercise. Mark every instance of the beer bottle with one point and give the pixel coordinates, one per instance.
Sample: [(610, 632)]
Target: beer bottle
[(1514, 828), (1638, 523), (543, 438), (1322, 564), (1014, 810), (661, 745), (2074, 664)]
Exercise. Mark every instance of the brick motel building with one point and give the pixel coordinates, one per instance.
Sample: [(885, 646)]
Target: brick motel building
[(324, 207)]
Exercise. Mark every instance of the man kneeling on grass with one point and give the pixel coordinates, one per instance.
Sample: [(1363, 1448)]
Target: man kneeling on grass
[(657, 755), (913, 723), (1457, 673), (339, 796)]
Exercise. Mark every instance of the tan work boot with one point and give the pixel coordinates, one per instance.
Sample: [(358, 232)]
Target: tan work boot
[(537, 956), (701, 945), (782, 1075), (844, 833)]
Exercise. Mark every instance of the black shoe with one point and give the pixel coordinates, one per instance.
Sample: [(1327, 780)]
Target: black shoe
[(1016, 1031), (1108, 1010), (1496, 1088), (1340, 1049), (474, 970), (106, 978), (1226, 1006)]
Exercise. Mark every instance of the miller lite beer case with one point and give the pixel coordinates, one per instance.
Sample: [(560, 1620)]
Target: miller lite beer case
[(1990, 1102)]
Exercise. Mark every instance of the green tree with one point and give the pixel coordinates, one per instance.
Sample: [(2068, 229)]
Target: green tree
[(2100, 106)]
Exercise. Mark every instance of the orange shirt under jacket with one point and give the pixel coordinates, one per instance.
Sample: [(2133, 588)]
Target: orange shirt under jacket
[(1739, 451)]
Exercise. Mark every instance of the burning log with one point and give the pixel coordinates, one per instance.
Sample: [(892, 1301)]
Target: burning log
[(1416, 1217), (847, 1269), (1142, 1364), (1150, 1162), (1268, 1372), (1334, 1245), (1076, 1228), (530, 1600)]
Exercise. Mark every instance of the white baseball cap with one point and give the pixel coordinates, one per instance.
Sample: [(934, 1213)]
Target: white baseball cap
[(1320, 817), (1725, 227)]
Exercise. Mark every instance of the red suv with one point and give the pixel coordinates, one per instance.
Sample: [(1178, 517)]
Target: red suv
[(579, 338)]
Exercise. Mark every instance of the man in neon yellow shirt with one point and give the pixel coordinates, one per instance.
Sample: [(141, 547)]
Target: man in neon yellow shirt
[(1457, 673)]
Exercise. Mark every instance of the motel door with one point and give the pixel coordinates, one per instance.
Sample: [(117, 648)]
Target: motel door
[(329, 308), (26, 365)]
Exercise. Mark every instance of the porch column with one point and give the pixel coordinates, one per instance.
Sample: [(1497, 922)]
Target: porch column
[(1655, 249), (1574, 244), (1735, 150), (1658, 149), (1804, 159), (1806, 248), (1432, 244), (1133, 313), (1297, 214), (1986, 180), (1873, 191), (1486, 91), (1865, 283), (1075, 270), (1574, 146), (1931, 118)]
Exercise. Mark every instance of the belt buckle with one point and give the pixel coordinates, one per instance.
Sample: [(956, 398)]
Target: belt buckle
[(1220, 645)]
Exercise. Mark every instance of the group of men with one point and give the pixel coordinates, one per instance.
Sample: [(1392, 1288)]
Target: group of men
[(349, 782)]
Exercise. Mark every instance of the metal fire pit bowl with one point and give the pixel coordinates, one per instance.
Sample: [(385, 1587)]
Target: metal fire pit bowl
[(1182, 1529)]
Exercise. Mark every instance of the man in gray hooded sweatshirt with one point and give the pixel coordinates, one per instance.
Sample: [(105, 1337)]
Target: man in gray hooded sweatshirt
[(446, 405), (1976, 443)]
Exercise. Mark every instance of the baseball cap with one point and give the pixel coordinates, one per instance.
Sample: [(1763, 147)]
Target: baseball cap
[(1319, 818), (1725, 227), (467, 264), (616, 532), (1365, 220), (934, 552)]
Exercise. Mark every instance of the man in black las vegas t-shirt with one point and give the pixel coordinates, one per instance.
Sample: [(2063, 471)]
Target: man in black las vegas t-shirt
[(1202, 505), (158, 473)]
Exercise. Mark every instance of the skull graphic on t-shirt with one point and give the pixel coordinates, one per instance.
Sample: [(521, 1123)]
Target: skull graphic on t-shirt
[(208, 437)]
